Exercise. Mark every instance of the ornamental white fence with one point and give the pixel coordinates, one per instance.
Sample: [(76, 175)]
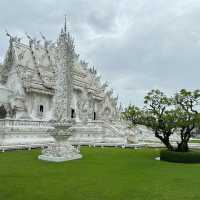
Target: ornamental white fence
[(24, 123)]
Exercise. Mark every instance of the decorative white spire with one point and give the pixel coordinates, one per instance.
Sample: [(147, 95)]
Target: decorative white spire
[(65, 26)]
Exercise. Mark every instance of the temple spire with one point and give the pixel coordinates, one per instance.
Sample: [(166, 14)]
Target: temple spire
[(65, 26)]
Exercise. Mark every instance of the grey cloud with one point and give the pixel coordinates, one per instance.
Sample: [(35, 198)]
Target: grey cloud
[(135, 44)]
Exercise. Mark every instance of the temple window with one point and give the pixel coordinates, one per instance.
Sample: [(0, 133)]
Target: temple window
[(94, 116), (41, 108), (72, 113), (3, 112)]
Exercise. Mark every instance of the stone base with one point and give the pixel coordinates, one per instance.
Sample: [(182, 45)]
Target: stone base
[(60, 153), (58, 159)]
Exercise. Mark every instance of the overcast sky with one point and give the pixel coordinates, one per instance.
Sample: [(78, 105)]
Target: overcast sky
[(136, 45)]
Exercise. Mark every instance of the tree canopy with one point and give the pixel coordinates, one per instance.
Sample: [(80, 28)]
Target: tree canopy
[(168, 115)]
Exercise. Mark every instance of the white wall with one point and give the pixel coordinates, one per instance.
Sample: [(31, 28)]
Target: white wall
[(33, 102)]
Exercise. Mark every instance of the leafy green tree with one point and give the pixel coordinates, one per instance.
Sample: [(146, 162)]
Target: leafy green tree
[(133, 115), (159, 117), (188, 118), (168, 115)]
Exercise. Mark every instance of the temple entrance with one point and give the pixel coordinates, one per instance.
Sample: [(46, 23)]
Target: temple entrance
[(3, 112)]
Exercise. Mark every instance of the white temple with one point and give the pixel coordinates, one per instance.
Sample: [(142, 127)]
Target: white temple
[(43, 83)]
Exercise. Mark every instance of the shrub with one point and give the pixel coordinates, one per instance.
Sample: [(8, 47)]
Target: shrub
[(180, 157)]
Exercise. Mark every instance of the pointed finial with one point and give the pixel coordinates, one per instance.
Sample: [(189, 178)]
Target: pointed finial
[(65, 27)]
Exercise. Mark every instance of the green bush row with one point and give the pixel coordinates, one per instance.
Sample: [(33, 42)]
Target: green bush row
[(180, 157)]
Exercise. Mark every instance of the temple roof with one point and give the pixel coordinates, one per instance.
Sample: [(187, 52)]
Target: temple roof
[(36, 65), (33, 65)]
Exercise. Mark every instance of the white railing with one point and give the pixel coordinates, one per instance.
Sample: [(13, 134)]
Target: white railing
[(102, 124), (113, 128), (91, 123), (24, 123), (46, 124)]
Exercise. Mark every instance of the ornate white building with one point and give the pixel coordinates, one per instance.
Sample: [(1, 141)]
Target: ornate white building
[(43, 83)]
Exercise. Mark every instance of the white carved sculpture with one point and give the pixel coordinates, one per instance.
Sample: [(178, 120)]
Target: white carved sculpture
[(61, 150)]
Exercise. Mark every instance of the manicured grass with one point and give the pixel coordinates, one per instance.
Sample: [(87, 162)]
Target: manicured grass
[(102, 174), (194, 141)]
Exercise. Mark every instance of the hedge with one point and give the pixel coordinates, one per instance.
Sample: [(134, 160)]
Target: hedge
[(180, 157)]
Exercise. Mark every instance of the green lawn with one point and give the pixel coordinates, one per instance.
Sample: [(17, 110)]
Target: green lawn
[(194, 141), (102, 174)]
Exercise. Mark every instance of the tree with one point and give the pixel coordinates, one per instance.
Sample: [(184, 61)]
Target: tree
[(158, 116), (133, 115), (187, 103), (168, 115)]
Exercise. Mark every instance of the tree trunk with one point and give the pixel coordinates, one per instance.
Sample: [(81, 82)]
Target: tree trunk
[(168, 145), (183, 146), (165, 140)]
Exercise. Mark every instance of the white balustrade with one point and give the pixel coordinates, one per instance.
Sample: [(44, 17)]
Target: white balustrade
[(24, 123)]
